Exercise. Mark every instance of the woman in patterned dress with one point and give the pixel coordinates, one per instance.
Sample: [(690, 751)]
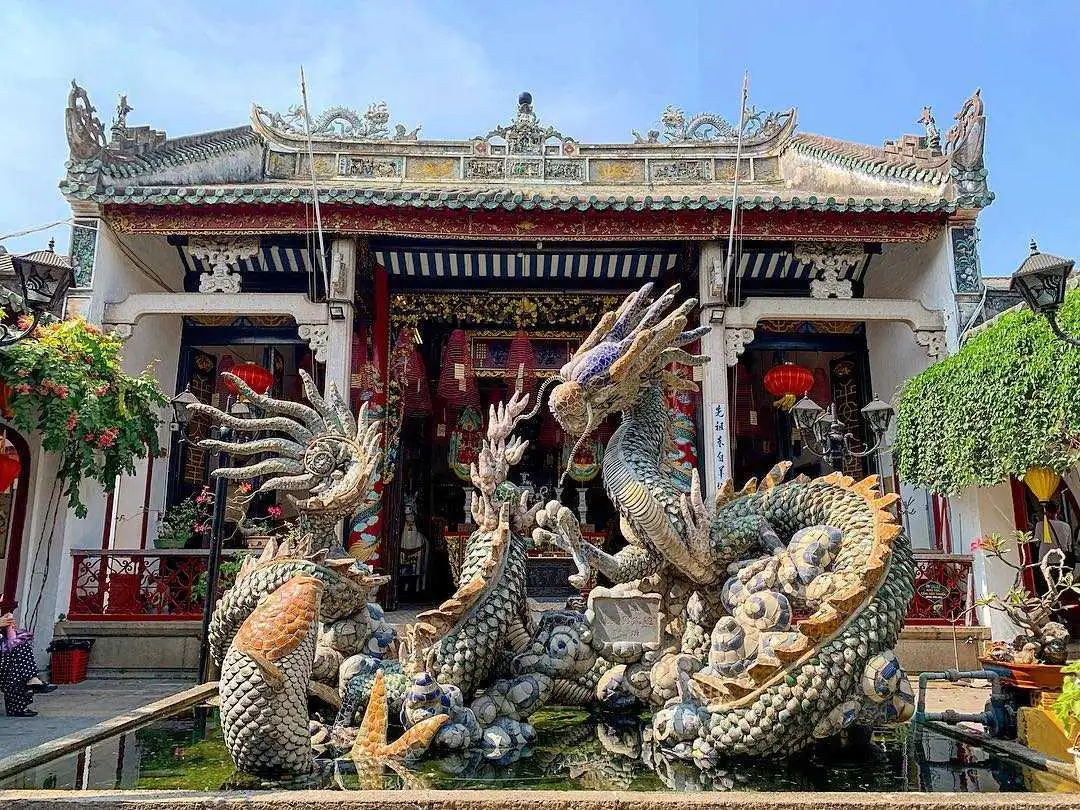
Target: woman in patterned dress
[(18, 672)]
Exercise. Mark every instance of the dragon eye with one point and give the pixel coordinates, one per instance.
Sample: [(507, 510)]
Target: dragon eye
[(319, 459)]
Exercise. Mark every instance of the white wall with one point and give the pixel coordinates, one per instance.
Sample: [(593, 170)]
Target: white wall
[(921, 272), (977, 513), (715, 447), (155, 341)]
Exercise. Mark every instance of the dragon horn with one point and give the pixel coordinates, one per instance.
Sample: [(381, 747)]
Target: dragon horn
[(341, 408)]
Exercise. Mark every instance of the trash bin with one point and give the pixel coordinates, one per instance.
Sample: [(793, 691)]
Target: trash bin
[(68, 659)]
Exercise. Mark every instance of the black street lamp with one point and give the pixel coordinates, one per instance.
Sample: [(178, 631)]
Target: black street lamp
[(42, 285), (826, 437), (1041, 282), (182, 420)]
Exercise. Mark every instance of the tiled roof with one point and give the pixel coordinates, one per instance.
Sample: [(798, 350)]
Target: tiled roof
[(178, 151), (250, 164), (494, 198), (48, 257), (873, 160)]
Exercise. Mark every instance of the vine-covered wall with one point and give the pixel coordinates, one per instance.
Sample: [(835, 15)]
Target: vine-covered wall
[(1007, 401)]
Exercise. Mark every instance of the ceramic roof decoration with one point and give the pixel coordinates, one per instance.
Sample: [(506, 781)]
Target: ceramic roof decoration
[(688, 164)]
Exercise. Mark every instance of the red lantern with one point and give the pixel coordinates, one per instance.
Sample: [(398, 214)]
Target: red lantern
[(788, 382), (521, 361), (10, 467), (258, 379)]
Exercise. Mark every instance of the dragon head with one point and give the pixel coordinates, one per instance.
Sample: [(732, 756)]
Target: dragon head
[(627, 351), (321, 452)]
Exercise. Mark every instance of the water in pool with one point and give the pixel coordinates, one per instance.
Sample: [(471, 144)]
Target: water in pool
[(573, 751)]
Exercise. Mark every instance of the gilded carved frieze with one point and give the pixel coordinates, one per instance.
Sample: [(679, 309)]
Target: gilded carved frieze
[(615, 171), (528, 310), (428, 168)]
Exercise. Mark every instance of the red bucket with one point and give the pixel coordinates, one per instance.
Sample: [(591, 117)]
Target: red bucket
[(69, 660)]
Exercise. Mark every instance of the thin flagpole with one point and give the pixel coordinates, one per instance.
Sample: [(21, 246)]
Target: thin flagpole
[(730, 263), (314, 185)]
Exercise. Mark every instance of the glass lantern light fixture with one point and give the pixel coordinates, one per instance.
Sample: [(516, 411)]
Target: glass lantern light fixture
[(828, 438), (42, 285), (1041, 281)]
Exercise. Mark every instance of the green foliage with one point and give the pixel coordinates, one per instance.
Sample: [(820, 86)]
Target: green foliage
[(67, 386), (184, 520), (1067, 706), (227, 572), (1006, 402)]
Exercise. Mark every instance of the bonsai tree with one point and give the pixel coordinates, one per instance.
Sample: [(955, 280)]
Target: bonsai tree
[(1041, 639)]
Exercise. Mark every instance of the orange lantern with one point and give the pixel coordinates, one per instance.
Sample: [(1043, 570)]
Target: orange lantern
[(788, 382), (257, 378)]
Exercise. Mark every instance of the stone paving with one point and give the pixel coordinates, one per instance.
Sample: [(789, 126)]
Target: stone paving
[(73, 707)]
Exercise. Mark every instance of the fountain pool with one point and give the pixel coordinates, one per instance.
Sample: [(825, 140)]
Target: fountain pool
[(574, 751)]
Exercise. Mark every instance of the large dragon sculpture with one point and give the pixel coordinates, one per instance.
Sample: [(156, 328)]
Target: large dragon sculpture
[(776, 607), (751, 625)]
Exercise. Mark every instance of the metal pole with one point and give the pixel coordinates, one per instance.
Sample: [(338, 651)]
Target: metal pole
[(213, 565), (213, 569)]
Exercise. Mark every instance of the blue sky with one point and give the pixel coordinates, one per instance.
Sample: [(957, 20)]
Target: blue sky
[(597, 69)]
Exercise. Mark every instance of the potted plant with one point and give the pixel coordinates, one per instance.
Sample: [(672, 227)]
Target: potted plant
[(256, 531), (185, 520), (1034, 657), (1067, 709), (226, 576)]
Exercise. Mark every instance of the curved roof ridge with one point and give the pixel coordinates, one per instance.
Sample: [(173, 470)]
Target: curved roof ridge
[(873, 159)]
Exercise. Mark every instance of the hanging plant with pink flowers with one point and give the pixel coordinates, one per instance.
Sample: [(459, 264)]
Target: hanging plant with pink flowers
[(66, 385)]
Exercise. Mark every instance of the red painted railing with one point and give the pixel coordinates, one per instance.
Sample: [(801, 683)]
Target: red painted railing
[(136, 585), (943, 590)]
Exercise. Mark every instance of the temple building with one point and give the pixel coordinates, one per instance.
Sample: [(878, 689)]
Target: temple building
[(433, 276)]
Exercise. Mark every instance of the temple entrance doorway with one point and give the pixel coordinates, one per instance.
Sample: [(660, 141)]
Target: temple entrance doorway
[(268, 354), (834, 356), (467, 322)]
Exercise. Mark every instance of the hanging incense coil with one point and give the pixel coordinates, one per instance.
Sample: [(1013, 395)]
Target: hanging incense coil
[(411, 376), (457, 377), (521, 364)]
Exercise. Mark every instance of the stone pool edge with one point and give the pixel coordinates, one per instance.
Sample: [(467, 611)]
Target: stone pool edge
[(518, 800), (122, 723)]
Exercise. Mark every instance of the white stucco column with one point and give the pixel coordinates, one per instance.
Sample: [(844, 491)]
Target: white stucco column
[(340, 303), (978, 512), (716, 447)]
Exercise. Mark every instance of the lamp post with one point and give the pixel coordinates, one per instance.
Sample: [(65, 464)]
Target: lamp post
[(181, 421), (826, 437), (42, 286), (1041, 282)]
